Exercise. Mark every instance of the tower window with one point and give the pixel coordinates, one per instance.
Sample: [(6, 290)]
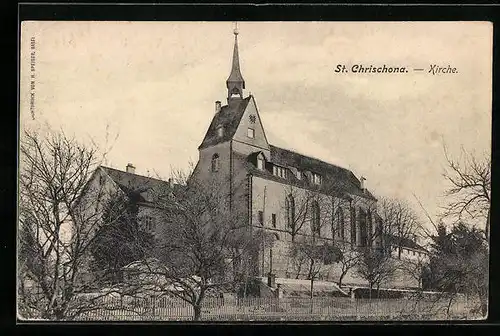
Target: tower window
[(251, 133), (215, 162), (148, 223), (220, 131), (261, 218), (273, 220)]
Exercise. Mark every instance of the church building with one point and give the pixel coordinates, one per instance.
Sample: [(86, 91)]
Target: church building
[(290, 195), (290, 198)]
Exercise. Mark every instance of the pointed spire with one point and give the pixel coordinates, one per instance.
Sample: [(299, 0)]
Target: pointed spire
[(235, 82)]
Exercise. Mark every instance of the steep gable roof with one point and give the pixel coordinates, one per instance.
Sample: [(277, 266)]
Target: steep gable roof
[(332, 175), (229, 117), (336, 180), (135, 186)]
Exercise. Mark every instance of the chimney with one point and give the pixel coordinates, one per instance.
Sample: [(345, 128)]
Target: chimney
[(130, 168), (362, 183), (217, 106), (171, 183)]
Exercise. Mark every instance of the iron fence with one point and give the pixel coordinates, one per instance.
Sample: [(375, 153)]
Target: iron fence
[(284, 309)]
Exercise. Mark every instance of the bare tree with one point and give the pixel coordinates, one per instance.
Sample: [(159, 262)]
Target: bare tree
[(348, 261), (297, 207), (201, 240), (469, 193), (400, 221), (376, 267), (316, 255), (56, 224)]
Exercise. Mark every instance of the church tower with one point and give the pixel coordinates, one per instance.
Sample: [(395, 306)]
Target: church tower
[(235, 83), (235, 128)]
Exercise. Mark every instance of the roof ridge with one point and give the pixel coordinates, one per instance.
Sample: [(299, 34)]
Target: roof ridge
[(312, 157), (134, 174)]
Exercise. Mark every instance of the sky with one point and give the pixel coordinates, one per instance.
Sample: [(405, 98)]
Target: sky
[(145, 92)]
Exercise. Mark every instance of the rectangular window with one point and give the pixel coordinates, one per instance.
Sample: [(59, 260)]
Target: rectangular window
[(316, 178), (251, 133), (261, 218), (273, 218)]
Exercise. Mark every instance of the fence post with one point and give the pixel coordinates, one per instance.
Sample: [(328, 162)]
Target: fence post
[(153, 306)]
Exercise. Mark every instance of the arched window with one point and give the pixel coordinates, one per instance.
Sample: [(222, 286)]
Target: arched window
[(378, 229), (353, 225), (215, 162), (369, 227), (290, 211), (316, 228), (340, 223), (363, 228)]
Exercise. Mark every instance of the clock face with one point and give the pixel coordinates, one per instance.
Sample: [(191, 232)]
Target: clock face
[(252, 118)]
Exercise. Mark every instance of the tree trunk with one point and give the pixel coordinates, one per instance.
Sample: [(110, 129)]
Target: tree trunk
[(487, 230), (342, 275), (298, 271), (449, 306), (483, 301), (312, 286), (245, 287), (197, 312)]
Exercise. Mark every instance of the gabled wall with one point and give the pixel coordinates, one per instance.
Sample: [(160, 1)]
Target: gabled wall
[(242, 143)]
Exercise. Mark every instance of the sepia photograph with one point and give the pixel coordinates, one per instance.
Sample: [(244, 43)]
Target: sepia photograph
[(254, 171)]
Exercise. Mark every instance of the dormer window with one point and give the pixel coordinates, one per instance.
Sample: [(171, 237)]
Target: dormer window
[(316, 178), (279, 171), (260, 163), (251, 133), (220, 131)]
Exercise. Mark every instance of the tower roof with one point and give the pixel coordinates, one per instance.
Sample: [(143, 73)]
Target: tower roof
[(235, 82), (228, 117)]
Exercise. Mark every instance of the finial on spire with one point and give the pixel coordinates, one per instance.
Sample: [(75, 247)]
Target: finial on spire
[(235, 30)]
